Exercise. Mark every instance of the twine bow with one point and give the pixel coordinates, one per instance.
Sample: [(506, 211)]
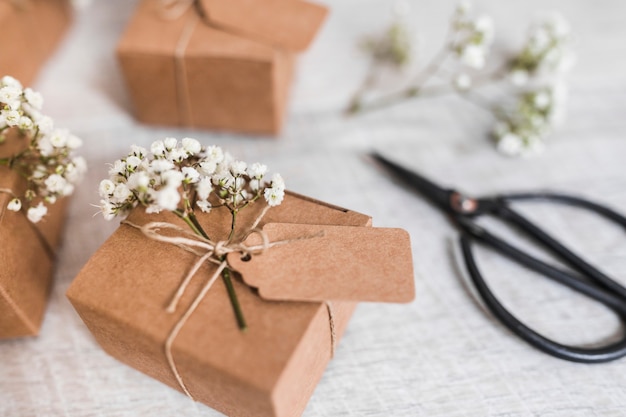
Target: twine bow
[(213, 252)]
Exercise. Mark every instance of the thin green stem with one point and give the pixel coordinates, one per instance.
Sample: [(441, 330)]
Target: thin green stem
[(234, 301), (189, 222), (232, 225), (414, 90), (5, 161)]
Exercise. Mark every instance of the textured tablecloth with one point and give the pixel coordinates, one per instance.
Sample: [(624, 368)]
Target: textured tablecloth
[(439, 356)]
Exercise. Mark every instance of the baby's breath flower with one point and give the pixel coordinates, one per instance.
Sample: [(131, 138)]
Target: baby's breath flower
[(36, 213), (47, 162), (195, 174), (191, 146), (14, 205)]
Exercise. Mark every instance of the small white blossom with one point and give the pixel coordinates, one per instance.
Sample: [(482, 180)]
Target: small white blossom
[(108, 210), (238, 168), (33, 98), (473, 56), (14, 205), (138, 181), (106, 189), (204, 187), (158, 148), (207, 167), (510, 144), (204, 205), (170, 143), (46, 125), (215, 154), (191, 146), (12, 118), (10, 94), (35, 214), (25, 123), (278, 182), (274, 196), (132, 162), (463, 82), (257, 170), (8, 81), (122, 192), (58, 139), (55, 183), (190, 175), (168, 198)]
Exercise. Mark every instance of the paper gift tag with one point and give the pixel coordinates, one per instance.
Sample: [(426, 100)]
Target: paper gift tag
[(325, 263), (291, 24)]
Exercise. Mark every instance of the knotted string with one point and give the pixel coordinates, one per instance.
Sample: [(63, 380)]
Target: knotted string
[(213, 252)]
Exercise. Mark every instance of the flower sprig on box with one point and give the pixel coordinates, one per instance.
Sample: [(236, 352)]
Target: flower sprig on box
[(47, 160), (534, 75), (182, 177)]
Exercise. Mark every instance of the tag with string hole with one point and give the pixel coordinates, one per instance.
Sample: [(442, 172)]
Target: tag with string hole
[(330, 263)]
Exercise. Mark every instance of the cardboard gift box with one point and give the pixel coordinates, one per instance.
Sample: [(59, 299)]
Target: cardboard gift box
[(26, 258), (272, 368), (31, 30), (222, 64)]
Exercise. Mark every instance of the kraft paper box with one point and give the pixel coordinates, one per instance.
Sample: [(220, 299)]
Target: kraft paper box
[(26, 258), (269, 370), (31, 31), (222, 64)]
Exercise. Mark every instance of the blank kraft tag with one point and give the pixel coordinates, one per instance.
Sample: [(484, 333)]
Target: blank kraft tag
[(341, 263)]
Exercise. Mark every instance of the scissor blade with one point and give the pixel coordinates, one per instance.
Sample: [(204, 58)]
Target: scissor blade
[(438, 195)]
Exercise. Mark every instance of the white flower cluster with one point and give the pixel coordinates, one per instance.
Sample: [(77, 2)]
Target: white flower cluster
[(471, 36), (538, 72), (522, 134), (47, 161), (180, 175), (394, 46), (546, 52)]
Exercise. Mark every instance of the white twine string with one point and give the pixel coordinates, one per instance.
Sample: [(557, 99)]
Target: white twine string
[(173, 9), (214, 252)]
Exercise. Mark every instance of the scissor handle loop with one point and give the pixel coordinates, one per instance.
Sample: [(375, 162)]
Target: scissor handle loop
[(597, 285), (575, 354)]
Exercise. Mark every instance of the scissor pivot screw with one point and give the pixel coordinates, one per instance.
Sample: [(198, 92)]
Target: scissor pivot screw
[(463, 204)]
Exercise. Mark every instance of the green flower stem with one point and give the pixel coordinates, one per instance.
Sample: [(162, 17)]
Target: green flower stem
[(232, 225), (234, 301), (193, 223), (415, 89), (5, 161), (190, 223)]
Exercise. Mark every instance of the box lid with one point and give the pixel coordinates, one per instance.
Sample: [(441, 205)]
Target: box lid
[(290, 24)]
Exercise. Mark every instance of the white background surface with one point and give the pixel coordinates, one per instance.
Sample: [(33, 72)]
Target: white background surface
[(439, 356)]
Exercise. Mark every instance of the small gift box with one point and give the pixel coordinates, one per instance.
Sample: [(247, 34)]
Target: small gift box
[(26, 259), (31, 30), (37, 173), (152, 297), (222, 64)]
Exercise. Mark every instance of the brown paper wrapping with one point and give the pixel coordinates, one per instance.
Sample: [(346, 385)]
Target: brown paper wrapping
[(269, 370), (26, 266), (185, 72), (31, 30)]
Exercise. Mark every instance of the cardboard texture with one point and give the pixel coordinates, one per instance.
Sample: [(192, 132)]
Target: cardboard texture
[(269, 370), (26, 266), (377, 261), (31, 30), (230, 75)]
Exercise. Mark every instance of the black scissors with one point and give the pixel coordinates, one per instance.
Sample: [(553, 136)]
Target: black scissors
[(587, 279)]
